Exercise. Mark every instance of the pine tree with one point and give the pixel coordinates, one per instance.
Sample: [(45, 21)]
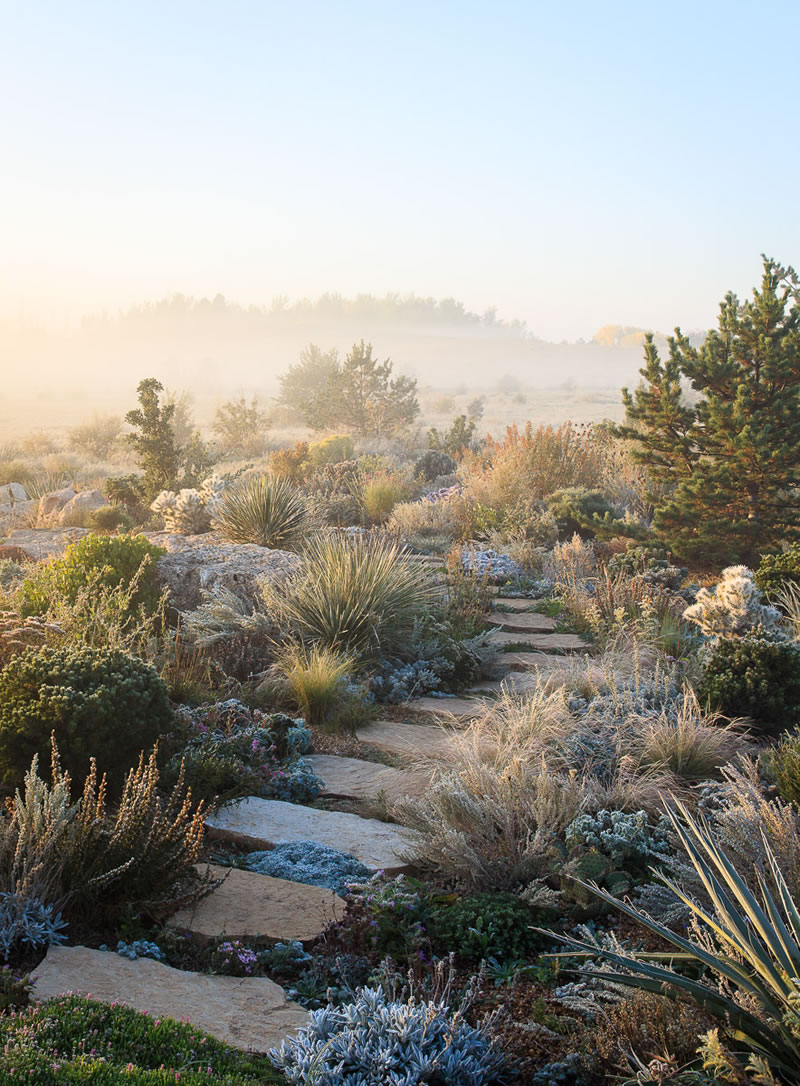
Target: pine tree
[(730, 458), (157, 451), (361, 397)]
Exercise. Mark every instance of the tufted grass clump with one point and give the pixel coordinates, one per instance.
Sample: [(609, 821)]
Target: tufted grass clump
[(314, 676), (264, 510), (73, 1040), (356, 595)]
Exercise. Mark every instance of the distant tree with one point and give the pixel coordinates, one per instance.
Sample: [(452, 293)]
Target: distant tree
[(183, 423), (728, 455), (154, 438), (475, 408), (241, 426), (359, 396), (302, 383), (97, 437)]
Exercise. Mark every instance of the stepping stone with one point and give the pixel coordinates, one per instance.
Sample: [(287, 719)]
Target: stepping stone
[(564, 642), (408, 740), (356, 779), (460, 708), (537, 661), (511, 603), (251, 1013), (248, 903), (263, 823), (528, 622)]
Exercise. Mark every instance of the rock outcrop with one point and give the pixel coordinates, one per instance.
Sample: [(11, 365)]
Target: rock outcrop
[(85, 501)]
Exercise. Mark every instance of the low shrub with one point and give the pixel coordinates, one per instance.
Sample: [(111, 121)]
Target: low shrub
[(290, 464), (373, 1036), (72, 1040), (110, 518), (380, 493), (733, 608), (784, 763), (26, 923), (488, 925), (577, 509), (226, 751), (100, 562), (98, 703), (778, 571), (331, 450), (754, 677), (357, 595), (308, 862), (263, 510), (432, 464)]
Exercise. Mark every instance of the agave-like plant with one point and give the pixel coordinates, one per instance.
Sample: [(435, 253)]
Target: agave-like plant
[(264, 510), (357, 594), (753, 974)]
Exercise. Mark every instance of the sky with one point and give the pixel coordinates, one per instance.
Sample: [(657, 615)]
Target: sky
[(572, 164)]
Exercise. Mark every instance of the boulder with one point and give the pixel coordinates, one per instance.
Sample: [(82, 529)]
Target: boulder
[(52, 503), (251, 1013), (13, 492), (43, 543), (17, 512), (248, 903), (262, 823), (197, 564), (85, 501)]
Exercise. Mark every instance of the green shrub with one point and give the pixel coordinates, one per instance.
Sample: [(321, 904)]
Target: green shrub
[(576, 509), (432, 464), (73, 1040), (777, 571), (380, 494), (331, 450), (98, 702), (99, 561), (783, 761), (358, 595), (109, 517), (491, 925), (754, 677), (262, 510)]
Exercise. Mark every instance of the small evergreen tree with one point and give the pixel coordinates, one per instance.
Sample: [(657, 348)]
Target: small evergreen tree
[(154, 440), (303, 382), (362, 398), (731, 458), (241, 426)]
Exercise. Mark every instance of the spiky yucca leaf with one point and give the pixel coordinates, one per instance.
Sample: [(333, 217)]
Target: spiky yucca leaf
[(758, 957), (356, 594), (264, 510)]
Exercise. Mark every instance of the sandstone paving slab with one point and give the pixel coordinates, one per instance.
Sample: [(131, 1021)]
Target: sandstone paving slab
[(555, 642), (513, 603), (248, 903), (263, 823), (437, 708), (527, 622), (355, 778), (408, 740), (251, 1013)]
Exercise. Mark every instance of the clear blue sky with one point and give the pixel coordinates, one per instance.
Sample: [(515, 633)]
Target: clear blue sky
[(573, 164)]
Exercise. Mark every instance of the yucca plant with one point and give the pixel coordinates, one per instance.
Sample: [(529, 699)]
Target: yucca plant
[(356, 594), (314, 676), (749, 947), (264, 510)]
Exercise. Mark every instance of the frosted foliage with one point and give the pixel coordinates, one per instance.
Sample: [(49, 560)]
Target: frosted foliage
[(376, 1040), (189, 511), (733, 607)]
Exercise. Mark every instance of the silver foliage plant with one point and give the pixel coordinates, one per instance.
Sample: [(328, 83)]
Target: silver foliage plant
[(189, 511), (397, 1043), (733, 607), (28, 922)]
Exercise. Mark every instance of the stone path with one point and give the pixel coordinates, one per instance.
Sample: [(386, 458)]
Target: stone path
[(353, 778), (248, 903), (262, 823), (251, 1013), (526, 622)]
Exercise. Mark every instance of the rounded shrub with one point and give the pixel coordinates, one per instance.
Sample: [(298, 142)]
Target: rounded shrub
[(575, 509), (778, 571), (97, 561), (432, 464), (98, 703), (490, 925), (264, 510), (331, 450), (754, 677)]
